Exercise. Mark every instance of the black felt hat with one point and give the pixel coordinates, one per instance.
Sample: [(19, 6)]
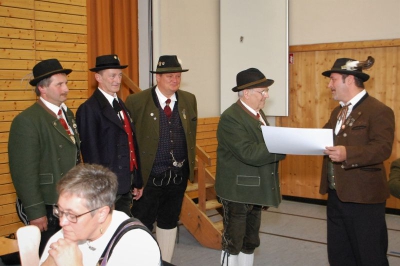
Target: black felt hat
[(251, 78), (340, 66), (47, 68), (168, 64), (110, 61)]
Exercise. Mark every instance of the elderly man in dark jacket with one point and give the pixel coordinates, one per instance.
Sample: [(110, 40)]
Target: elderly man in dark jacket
[(108, 134), (247, 173)]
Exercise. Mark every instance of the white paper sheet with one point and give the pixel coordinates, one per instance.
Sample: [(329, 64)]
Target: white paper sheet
[(300, 141)]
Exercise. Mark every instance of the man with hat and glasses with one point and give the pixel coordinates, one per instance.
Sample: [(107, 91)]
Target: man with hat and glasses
[(107, 134), (247, 173), (43, 145), (353, 173), (166, 120)]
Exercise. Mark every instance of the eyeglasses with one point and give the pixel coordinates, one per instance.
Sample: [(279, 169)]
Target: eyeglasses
[(70, 217), (263, 92)]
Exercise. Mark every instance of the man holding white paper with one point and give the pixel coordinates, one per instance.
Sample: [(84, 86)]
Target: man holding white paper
[(353, 173), (247, 173)]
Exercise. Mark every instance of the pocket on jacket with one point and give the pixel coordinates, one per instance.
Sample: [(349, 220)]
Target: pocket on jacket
[(361, 127), (245, 180), (370, 169), (46, 179)]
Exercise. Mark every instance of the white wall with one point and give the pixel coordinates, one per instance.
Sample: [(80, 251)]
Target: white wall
[(190, 30), (194, 35), (259, 41), (328, 21)]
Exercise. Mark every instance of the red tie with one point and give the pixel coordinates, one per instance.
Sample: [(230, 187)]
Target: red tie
[(167, 109), (258, 116), (63, 122)]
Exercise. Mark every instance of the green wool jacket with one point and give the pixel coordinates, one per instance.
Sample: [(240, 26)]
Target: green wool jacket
[(246, 171), (40, 153), (145, 115), (394, 178)]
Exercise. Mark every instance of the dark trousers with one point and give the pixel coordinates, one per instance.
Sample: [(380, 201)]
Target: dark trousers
[(161, 202), (241, 227), (123, 203), (357, 233), (53, 227)]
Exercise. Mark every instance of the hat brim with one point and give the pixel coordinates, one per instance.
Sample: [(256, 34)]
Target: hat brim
[(263, 84), (363, 76), (36, 80), (170, 70), (97, 69)]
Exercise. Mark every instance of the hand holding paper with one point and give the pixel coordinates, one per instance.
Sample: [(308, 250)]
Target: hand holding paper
[(299, 141)]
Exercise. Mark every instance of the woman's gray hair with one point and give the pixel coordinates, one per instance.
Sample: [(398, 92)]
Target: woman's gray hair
[(94, 183)]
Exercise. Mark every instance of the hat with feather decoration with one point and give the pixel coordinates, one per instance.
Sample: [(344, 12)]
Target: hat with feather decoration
[(351, 67)]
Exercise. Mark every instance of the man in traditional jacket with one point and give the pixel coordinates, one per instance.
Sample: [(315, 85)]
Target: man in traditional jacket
[(165, 118), (394, 178), (247, 173), (353, 173), (43, 146), (107, 133)]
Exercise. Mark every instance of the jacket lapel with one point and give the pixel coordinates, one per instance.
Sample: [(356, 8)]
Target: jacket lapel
[(55, 122), (152, 112), (107, 109)]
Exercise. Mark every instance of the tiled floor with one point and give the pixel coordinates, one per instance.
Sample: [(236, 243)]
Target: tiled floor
[(293, 234)]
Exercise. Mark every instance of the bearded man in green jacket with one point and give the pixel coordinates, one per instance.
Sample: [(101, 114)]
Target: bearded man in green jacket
[(247, 173)]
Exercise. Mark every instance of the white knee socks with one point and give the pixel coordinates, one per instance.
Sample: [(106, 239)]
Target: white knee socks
[(166, 240)]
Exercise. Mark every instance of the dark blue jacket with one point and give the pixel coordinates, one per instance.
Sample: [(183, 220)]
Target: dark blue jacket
[(104, 140)]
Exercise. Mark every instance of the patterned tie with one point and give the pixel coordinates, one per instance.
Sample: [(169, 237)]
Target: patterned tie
[(167, 109), (343, 113), (259, 118), (63, 122)]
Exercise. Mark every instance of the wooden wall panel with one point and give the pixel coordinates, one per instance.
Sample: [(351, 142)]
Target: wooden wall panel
[(206, 138), (310, 102), (31, 31)]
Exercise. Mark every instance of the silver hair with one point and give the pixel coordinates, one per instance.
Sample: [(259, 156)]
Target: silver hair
[(94, 183)]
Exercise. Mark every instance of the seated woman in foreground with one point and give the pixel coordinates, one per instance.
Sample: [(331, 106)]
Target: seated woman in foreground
[(85, 208)]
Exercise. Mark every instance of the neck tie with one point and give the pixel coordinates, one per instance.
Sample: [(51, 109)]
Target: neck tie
[(260, 119), (167, 109), (343, 113), (118, 109), (63, 122)]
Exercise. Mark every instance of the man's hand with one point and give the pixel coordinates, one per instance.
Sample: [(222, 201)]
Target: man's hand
[(336, 153), (40, 222), (65, 253), (137, 193)]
